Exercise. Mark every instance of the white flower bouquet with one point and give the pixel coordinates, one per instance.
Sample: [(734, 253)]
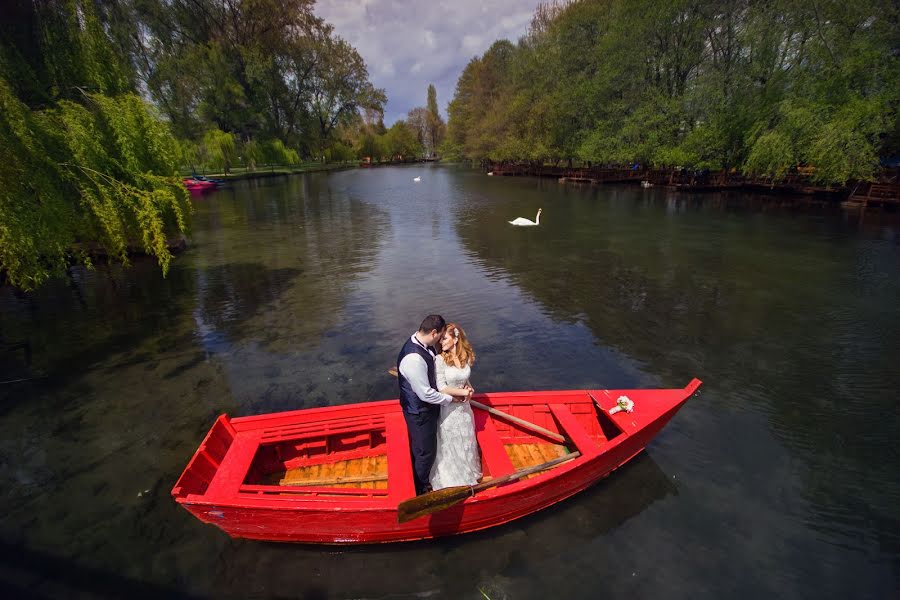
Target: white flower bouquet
[(623, 403)]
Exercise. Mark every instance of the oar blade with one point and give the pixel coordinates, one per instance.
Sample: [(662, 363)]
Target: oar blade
[(431, 502)]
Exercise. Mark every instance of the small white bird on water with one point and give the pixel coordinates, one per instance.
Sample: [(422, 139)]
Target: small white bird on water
[(523, 222), (417, 178)]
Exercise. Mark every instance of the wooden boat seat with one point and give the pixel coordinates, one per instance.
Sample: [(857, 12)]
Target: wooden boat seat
[(495, 461), (235, 466), (573, 430), (400, 471)]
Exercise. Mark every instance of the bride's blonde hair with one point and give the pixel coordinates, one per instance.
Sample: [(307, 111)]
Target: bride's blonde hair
[(463, 349)]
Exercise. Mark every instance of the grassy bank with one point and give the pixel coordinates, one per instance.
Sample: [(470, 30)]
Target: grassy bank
[(239, 173)]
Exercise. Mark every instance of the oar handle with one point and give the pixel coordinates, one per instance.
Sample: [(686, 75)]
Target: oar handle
[(527, 425), (499, 413)]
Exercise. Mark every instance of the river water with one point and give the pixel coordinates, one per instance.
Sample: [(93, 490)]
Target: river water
[(781, 478)]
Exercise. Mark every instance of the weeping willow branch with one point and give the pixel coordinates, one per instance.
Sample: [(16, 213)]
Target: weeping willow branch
[(100, 173)]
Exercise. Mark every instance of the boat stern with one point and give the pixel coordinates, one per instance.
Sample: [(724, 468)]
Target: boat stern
[(202, 467)]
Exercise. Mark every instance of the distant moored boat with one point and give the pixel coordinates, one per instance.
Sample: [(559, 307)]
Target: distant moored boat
[(199, 185)]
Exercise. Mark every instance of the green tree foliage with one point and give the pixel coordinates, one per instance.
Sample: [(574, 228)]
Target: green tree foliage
[(220, 149), (435, 127), (251, 153), (418, 120), (400, 142), (276, 153), (340, 89), (427, 124), (760, 87), (259, 69), (86, 164)]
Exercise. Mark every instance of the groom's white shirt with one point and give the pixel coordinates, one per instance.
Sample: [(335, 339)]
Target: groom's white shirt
[(415, 370)]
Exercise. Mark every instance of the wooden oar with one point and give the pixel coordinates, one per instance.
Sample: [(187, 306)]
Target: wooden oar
[(526, 424), (439, 500), (536, 428)]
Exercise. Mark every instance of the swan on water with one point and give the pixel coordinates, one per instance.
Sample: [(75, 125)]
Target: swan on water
[(523, 222), (490, 173), (417, 178)]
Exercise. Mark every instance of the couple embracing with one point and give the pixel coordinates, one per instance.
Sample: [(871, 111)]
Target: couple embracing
[(434, 394)]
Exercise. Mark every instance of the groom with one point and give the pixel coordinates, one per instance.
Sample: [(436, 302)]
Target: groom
[(419, 398)]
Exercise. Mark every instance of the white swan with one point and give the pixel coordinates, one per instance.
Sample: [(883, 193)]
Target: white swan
[(490, 173), (523, 222), (417, 178)]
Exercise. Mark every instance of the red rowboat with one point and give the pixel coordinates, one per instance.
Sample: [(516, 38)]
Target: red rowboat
[(336, 475), (198, 185)]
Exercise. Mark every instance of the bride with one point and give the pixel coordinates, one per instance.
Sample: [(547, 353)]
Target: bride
[(457, 461)]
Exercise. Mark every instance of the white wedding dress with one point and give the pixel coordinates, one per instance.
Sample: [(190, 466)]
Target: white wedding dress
[(457, 461)]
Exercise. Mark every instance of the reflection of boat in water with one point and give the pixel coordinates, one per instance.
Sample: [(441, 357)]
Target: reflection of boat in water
[(337, 474)]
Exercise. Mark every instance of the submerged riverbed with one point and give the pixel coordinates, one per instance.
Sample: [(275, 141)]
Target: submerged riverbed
[(780, 478)]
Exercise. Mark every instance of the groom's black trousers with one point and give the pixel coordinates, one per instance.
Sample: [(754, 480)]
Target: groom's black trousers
[(422, 428)]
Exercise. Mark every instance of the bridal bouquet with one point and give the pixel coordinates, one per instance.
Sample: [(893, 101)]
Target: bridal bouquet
[(623, 403)]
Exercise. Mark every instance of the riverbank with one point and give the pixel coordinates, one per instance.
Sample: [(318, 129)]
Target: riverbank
[(881, 194), (242, 173)]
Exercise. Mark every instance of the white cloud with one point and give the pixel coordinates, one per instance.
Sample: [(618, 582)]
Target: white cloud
[(386, 68), (429, 39), (471, 44), (409, 44)]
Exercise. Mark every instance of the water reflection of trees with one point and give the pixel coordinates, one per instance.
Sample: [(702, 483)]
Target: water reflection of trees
[(326, 239), (794, 318), (269, 263)]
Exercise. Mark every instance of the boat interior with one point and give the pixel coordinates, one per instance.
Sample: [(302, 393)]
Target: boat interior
[(349, 456), (353, 454)]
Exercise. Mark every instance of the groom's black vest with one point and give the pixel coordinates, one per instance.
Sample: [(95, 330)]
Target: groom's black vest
[(409, 401)]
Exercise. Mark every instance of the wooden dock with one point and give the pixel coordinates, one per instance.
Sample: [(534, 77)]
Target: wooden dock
[(873, 194)]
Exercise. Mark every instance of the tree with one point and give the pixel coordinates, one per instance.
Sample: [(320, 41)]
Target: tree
[(251, 153), (418, 120), (340, 88), (220, 149), (88, 166), (400, 142), (275, 152), (435, 126)]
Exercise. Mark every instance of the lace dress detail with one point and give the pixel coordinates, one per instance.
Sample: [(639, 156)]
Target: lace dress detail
[(457, 461)]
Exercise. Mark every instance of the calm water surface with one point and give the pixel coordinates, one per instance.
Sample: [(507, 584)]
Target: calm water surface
[(780, 479)]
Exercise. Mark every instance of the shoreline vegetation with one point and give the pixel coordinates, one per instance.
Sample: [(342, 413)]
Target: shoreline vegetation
[(266, 171), (756, 91)]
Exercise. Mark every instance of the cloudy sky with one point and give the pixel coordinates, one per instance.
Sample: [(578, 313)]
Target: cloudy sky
[(408, 44)]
